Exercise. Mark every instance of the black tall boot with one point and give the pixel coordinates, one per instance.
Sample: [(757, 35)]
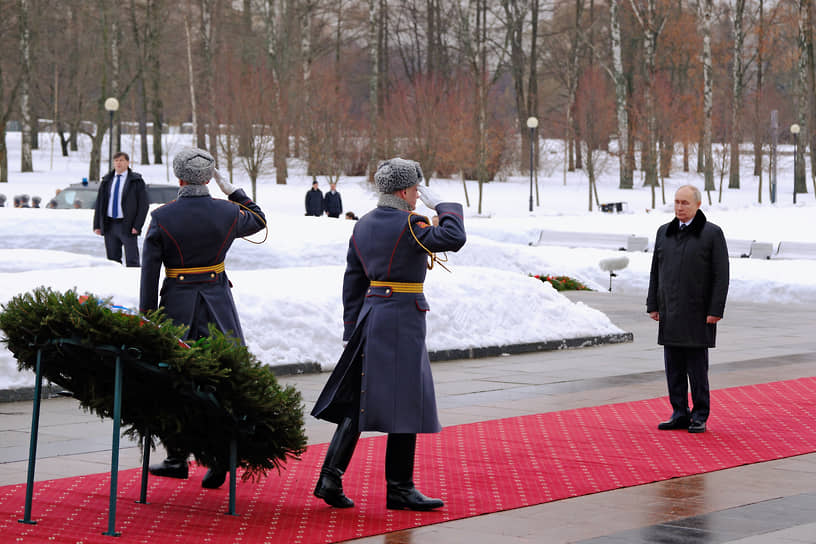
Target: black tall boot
[(175, 466), (330, 484), (399, 475)]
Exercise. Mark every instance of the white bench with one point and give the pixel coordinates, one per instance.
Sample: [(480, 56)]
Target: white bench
[(601, 240), (761, 250), (795, 250), (738, 248)]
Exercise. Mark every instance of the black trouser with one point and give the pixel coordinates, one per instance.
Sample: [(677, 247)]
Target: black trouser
[(118, 235), (686, 366)]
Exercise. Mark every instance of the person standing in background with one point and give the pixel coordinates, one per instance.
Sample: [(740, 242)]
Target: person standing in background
[(120, 210), (332, 202), (314, 200)]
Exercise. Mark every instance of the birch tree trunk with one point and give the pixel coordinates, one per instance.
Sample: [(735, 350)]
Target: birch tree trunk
[(373, 87), (706, 14), (619, 78), (572, 86), (190, 75), (141, 87), (209, 14), (115, 134), (481, 33), (811, 125), (153, 18), (799, 182), (652, 24), (26, 164), (736, 95), (758, 96)]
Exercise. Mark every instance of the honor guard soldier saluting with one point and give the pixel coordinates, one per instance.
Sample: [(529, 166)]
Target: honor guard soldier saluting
[(383, 380), (191, 236)]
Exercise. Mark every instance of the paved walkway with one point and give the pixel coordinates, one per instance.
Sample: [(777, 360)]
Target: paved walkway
[(765, 502)]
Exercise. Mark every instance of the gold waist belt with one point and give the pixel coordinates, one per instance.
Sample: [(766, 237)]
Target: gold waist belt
[(399, 286), (179, 272)]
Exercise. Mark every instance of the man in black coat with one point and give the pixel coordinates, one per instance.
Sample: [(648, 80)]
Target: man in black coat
[(688, 286), (314, 200), (120, 210), (191, 236), (332, 202)]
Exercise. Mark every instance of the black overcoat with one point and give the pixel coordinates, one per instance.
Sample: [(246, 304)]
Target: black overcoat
[(194, 232), (688, 281), (134, 202), (333, 204), (384, 375), (314, 202)]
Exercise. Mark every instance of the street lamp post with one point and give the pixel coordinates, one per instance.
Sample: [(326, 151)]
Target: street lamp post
[(795, 131), (532, 123), (111, 104)]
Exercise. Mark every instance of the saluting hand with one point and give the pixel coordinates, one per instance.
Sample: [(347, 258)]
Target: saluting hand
[(428, 197), (226, 187)]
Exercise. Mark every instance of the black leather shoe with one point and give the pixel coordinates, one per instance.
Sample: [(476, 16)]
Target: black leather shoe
[(330, 488), (402, 497), (674, 424), (214, 478), (170, 468), (697, 427)]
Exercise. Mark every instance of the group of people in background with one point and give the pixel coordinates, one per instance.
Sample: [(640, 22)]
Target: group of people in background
[(22, 201), (331, 203)]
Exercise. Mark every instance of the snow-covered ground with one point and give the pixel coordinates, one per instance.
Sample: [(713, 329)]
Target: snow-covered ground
[(288, 288)]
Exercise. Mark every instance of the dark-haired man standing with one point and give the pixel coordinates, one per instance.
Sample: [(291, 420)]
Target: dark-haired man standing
[(120, 210)]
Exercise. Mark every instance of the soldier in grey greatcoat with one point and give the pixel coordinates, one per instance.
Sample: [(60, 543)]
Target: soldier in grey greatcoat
[(191, 236), (687, 291), (383, 380)]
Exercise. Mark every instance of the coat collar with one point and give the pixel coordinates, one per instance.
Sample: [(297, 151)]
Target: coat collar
[(696, 226)]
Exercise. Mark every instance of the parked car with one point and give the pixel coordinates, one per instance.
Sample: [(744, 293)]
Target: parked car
[(80, 195)]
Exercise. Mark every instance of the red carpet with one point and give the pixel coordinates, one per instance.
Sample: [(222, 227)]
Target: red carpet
[(477, 468)]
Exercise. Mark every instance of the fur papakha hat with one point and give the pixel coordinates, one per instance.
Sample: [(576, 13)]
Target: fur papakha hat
[(396, 174), (193, 165)]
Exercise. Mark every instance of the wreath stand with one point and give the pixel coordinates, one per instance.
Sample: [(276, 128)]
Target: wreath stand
[(115, 358)]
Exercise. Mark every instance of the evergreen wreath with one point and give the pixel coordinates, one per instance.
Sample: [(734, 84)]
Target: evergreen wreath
[(197, 397)]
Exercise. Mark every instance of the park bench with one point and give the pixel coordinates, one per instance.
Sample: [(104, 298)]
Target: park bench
[(739, 248), (795, 250), (761, 250), (615, 207), (601, 240)]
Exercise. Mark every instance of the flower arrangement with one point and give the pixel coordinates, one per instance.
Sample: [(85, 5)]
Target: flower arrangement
[(562, 283)]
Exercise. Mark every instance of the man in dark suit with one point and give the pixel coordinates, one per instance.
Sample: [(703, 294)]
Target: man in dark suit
[(687, 291), (121, 210), (314, 200), (383, 380), (332, 202), (191, 236)]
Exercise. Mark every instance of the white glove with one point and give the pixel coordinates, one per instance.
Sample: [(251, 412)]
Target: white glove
[(428, 197), (225, 186)]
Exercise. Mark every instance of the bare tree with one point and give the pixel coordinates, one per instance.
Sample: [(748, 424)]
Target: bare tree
[(154, 15), (26, 164), (523, 62), (141, 109), (737, 87), (706, 13), (651, 23), (621, 92), (802, 99)]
